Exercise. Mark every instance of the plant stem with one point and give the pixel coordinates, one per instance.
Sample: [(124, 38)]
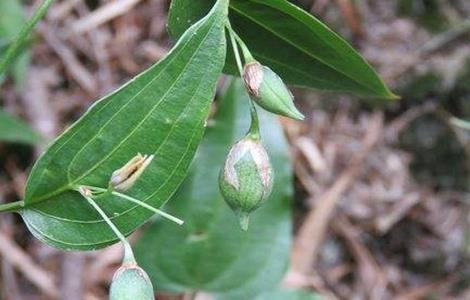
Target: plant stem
[(254, 126), (12, 206), (139, 202), (15, 47), (145, 205), (128, 253), (246, 52), (235, 49)]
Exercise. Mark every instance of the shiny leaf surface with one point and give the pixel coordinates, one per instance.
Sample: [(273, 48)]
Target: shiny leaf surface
[(161, 112)]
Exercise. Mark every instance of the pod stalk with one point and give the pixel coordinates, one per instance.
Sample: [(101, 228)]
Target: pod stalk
[(128, 253), (236, 53), (138, 202), (244, 219), (254, 132)]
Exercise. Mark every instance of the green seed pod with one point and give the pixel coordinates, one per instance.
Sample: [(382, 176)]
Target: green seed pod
[(130, 282), (268, 90), (246, 178)]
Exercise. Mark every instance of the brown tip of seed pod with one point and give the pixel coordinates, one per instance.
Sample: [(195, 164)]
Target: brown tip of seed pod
[(253, 77)]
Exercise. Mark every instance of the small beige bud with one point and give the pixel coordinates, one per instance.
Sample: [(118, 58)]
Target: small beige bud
[(125, 177), (253, 77)]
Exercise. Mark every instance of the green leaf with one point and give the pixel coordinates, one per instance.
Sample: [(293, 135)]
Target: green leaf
[(297, 46), (11, 21), (16, 131), (285, 294), (161, 112), (210, 252)]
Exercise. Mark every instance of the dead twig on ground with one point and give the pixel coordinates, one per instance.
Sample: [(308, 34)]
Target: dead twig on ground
[(351, 16), (396, 127), (61, 10), (443, 39), (70, 61), (397, 212), (21, 260), (372, 277), (423, 291), (101, 15)]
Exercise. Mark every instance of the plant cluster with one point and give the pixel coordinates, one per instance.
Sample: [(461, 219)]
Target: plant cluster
[(93, 187)]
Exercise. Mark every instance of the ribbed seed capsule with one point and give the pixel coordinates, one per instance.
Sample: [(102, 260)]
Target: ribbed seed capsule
[(246, 178), (130, 282), (268, 90), (124, 178)]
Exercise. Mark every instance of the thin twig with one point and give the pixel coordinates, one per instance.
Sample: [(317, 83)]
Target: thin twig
[(71, 63), (369, 271), (62, 9), (403, 121), (351, 16), (421, 292), (21, 260), (102, 15), (445, 38)]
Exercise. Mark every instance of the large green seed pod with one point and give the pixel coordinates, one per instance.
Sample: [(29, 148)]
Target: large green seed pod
[(268, 90), (246, 178), (130, 282)]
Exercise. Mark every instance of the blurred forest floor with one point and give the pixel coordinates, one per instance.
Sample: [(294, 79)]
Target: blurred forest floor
[(382, 192)]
